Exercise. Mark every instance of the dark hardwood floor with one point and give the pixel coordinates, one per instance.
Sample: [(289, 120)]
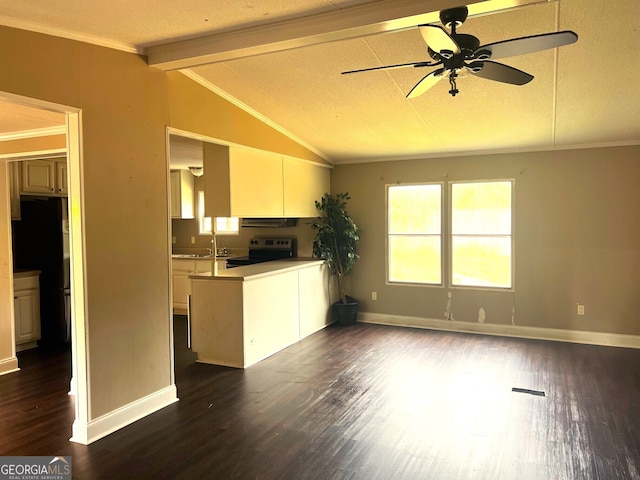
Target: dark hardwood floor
[(358, 402)]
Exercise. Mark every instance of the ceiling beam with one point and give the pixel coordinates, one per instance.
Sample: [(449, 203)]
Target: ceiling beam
[(348, 23)]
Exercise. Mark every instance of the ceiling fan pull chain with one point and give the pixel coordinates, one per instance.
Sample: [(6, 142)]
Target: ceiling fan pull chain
[(452, 81)]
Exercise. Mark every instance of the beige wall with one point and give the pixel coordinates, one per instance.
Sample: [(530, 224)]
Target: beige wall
[(195, 109), (36, 144), (577, 238), (125, 189), (125, 107)]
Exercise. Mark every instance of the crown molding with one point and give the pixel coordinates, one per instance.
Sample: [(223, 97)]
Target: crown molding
[(243, 106), (68, 34), (471, 153)]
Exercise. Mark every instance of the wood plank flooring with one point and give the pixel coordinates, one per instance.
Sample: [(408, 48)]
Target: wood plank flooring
[(358, 402)]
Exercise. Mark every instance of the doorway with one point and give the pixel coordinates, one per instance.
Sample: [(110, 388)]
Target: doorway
[(71, 130)]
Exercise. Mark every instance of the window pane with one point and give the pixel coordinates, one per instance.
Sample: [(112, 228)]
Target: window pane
[(227, 225), (415, 259), (481, 261), (414, 209), (204, 223), (481, 208)]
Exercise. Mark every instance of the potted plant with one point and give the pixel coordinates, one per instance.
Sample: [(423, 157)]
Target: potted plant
[(336, 242)]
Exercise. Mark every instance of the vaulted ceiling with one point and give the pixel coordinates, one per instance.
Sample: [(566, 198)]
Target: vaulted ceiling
[(282, 61)]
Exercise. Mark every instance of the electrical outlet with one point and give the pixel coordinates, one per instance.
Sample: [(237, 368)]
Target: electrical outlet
[(374, 295), (173, 240), (580, 309), (193, 240)]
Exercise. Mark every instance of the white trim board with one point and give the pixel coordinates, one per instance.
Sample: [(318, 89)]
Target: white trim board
[(9, 365), (123, 416), (517, 331)]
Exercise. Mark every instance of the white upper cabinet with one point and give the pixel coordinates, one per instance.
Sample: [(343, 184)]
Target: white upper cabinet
[(256, 183), (44, 177), (253, 183), (182, 194), (304, 183), (242, 182)]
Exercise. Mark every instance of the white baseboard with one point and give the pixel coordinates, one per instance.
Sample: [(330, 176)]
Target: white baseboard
[(554, 334), (86, 433), (9, 365)]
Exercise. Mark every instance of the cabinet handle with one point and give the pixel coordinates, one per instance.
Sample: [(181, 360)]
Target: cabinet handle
[(53, 189)]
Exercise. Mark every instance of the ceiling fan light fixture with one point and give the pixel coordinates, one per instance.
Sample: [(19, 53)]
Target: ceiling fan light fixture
[(196, 171)]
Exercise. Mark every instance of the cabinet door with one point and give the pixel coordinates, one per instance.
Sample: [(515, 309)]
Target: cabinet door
[(14, 182), (38, 176), (27, 315), (181, 194), (304, 183), (175, 195), (181, 285), (61, 177), (256, 184), (181, 290), (204, 266)]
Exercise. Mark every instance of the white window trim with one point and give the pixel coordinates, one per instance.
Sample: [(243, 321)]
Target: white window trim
[(443, 229), (446, 237), (449, 258)]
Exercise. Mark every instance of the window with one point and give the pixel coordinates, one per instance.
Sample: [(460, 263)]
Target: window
[(481, 234), (479, 243), (223, 225), (227, 225), (204, 223), (414, 226)]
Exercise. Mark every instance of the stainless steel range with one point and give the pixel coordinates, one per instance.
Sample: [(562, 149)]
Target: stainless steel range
[(265, 250)]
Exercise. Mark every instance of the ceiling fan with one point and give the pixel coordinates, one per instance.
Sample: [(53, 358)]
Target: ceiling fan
[(459, 53)]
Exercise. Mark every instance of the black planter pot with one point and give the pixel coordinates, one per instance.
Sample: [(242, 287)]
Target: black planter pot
[(345, 313)]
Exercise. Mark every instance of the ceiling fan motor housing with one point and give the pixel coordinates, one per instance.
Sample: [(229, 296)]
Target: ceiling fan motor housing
[(454, 16)]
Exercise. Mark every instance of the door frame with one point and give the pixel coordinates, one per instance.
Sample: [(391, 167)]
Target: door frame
[(79, 385)]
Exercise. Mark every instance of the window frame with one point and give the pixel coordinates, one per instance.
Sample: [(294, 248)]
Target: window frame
[(450, 237), (213, 220), (443, 227), (446, 236)]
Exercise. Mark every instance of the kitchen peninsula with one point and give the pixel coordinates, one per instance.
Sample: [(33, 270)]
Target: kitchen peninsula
[(243, 315)]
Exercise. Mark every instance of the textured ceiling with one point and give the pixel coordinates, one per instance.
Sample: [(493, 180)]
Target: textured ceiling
[(585, 94)]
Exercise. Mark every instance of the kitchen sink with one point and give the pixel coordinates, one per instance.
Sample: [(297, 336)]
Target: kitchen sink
[(191, 255)]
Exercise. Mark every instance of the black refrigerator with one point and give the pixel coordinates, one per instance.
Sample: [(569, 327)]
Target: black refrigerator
[(41, 242)]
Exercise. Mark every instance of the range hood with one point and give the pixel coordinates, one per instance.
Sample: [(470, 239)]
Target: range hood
[(269, 222)]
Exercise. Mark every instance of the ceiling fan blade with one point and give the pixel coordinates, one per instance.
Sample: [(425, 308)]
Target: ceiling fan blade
[(426, 83), (438, 40), (499, 72), (389, 67), (524, 45)]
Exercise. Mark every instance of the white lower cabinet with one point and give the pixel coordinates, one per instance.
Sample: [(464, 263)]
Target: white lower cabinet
[(181, 285), (237, 323), (26, 300)]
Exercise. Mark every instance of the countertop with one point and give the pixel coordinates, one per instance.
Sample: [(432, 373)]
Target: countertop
[(25, 273), (258, 270), (188, 256)]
